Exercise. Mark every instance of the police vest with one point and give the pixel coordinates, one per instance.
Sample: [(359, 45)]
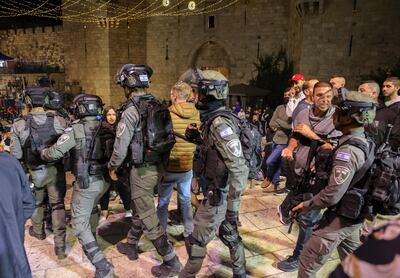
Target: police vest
[(153, 137), (40, 137), (90, 159)]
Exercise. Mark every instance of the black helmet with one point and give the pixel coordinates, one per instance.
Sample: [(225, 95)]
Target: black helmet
[(87, 105), (134, 76), (359, 106), (56, 101), (37, 96), (209, 83)]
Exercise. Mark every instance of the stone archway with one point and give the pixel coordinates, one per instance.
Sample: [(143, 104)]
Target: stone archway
[(212, 55)]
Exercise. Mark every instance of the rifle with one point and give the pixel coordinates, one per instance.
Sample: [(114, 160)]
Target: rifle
[(300, 190)]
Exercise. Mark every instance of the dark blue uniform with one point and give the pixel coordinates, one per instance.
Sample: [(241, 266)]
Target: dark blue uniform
[(16, 206)]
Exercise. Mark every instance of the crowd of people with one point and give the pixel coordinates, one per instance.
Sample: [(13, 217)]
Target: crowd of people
[(319, 140)]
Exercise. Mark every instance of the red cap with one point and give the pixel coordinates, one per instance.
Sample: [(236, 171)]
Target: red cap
[(296, 77)]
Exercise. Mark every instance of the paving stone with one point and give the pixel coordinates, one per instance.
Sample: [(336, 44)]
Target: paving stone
[(266, 241), (264, 219), (262, 265), (250, 203), (247, 225), (42, 257), (72, 271)]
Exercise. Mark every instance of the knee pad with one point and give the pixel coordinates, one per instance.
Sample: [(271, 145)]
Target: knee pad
[(162, 245), (229, 235), (57, 206), (91, 249), (194, 248)]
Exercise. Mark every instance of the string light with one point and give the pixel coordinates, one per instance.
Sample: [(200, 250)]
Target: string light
[(108, 14)]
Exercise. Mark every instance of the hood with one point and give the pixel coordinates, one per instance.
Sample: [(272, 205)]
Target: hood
[(184, 110)]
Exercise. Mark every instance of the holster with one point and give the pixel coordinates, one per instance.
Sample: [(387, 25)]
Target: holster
[(352, 204)]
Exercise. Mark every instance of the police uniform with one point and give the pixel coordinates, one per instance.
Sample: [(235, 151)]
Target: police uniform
[(143, 179), (45, 176), (226, 167), (84, 201), (334, 230)]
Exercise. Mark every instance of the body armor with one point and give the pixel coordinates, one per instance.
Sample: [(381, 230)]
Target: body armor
[(40, 137), (89, 160)]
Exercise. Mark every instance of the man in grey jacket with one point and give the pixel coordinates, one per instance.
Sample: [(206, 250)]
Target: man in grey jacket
[(281, 125)]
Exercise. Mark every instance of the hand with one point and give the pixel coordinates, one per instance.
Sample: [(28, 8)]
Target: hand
[(304, 130), (195, 187), (113, 174), (327, 146), (42, 152), (232, 217), (192, 133), (298, 208), (287, 154)]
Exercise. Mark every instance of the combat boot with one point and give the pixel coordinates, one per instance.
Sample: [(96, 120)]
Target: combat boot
[(60, 252), (38, 236), (290, 264), (104, 269), (168, 268), (130, 250)]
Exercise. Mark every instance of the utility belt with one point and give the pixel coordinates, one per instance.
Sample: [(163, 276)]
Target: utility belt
[(42, 167)]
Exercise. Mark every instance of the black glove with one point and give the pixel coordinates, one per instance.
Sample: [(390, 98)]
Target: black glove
[(232, 217), (193, 134)]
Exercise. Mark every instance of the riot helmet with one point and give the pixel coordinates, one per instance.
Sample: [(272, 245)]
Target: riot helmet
[(56, 100), (209, 83), (359, 106), (87, 105), (211, 87), (134, 76), (37, 96)]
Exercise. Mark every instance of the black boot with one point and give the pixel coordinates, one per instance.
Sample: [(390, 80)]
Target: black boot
[(130, 250), (104, 269), (60, 252), (41, 236), (168, 268)]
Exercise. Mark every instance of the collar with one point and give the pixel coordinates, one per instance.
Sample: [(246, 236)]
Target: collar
[(392, 101), (354, 132)]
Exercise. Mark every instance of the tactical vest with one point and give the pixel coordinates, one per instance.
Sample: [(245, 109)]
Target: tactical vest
[(40, 137), (90, 159), (153, 136), (208, 162), (248, 134)]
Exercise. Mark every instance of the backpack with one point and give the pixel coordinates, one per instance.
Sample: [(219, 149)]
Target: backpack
[(40, 137), (154, 137), (379, 180), (250, 139)]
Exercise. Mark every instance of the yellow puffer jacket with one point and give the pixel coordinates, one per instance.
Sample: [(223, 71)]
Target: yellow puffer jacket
[(181, 157)]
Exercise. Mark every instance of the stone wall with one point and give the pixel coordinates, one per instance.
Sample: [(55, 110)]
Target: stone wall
[(43, 44), (339, 38), (242, 31), (349, 41), (94, 55)]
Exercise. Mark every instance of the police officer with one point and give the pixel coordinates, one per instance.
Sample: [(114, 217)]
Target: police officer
[(343, 219), (223, 168), (145, 172), (31, 134), (88, 160)]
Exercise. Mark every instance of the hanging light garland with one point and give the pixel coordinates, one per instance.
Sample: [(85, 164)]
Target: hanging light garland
[(108, 14)]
